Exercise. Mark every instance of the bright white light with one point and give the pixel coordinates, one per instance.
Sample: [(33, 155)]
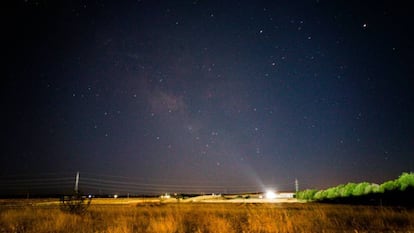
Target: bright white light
[(270, 194), (166, 196)]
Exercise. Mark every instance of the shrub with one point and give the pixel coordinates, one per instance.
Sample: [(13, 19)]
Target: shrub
[(388, 186), (308, 194), (361, 189), (405, 180)]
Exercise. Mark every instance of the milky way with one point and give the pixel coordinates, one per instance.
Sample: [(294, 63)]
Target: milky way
[(208, 95)]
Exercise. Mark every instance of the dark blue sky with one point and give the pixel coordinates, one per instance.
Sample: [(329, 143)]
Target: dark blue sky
[(235, 94)]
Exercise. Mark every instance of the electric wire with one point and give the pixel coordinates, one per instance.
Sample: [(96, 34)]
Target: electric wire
[(99, 183)]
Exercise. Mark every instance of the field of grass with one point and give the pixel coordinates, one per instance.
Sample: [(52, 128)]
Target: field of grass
[(207, 217)]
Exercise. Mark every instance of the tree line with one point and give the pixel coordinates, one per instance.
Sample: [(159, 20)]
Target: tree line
[(405, 181)]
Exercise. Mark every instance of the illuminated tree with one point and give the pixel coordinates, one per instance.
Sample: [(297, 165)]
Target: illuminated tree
[(332, 192), (361, 189), (389, 186), (348, 189), (405, 180), (375, 188), (320, 195), (307, 194)]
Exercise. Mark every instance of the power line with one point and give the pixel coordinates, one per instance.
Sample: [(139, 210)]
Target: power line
[(91, 183)]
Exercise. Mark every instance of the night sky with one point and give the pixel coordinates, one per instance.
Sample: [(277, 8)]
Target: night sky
[(198, 96)]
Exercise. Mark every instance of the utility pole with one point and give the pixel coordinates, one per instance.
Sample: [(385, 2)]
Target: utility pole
[(77, 183), (296, 185), (76, 203)]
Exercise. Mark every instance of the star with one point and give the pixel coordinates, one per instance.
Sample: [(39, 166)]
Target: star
[(220, 83)]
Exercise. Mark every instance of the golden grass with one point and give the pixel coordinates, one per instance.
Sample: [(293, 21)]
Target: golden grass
[(203, 217)]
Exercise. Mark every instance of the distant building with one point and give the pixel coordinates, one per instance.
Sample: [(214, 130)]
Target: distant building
[(165, 196), (277, 195), (285, 195)]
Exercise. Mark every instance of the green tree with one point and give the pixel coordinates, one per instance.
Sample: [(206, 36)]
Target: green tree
[(348, 189), (320, 195), (405, 180), (307, 194), (388, 186), (402, 183), (332, 193), (375, 188), (360, 189)]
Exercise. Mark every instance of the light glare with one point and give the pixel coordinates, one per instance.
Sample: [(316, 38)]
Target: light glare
[(270, 194)]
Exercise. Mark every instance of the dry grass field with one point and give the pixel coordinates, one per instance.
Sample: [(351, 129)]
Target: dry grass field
[(206, 217)]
